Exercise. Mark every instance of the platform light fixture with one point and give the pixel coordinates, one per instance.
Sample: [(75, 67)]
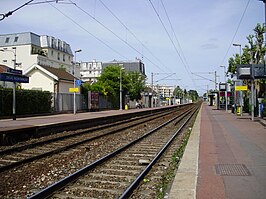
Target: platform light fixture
[(120, 85), (76, 51)]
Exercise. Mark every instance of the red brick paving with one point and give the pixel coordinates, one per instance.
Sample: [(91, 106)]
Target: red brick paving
[(227, 139)]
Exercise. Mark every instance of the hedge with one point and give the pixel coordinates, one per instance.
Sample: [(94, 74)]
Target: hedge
[(27, 102)]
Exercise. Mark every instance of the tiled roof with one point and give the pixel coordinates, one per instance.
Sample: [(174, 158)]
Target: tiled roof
[(3, 68), (60, 73)]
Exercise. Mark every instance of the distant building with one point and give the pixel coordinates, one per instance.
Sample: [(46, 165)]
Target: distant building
[(90, 71), (136, 65), (32, 51)]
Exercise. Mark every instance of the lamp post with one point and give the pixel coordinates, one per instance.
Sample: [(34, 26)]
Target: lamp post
[(120, 98), (76, 51), (225, 94), (14, 51), (241, 100)]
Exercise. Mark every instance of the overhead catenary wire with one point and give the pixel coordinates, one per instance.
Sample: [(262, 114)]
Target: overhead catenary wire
[(178, 43), (239, 23), (123, 24), (100, 40), (116, 35), (179, 55), (2, 16), (185, 61)]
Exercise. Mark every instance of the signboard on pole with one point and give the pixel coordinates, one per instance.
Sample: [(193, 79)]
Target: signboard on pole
[(73, 90), (8, 77), (241, 88), (14, 71), (78, 82)]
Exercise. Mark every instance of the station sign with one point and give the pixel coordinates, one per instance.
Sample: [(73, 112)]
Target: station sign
[(8, 77), (241, 88), (14, 71), (73, 90)]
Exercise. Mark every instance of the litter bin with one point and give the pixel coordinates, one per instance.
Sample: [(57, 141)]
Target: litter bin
[(126, 107), (238, 110)]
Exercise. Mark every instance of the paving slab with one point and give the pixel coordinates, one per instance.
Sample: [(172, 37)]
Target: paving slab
[(225, 158)]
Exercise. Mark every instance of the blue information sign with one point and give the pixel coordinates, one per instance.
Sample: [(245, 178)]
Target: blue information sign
[(78, 82), (7, 77)]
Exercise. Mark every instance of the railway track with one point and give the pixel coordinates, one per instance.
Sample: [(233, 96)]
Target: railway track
[(16, 156), (118, 174)]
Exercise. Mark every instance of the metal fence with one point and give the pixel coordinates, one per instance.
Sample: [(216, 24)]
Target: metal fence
[(63, 102)]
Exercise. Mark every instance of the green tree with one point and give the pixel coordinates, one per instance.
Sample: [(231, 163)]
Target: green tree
[(136, 85), (133, 83), (193, 94), (178, 92), (252, 53)]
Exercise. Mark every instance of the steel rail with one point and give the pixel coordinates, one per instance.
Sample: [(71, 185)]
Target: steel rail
[(137, 181), (65, 181), (58, 150), (29, 146)]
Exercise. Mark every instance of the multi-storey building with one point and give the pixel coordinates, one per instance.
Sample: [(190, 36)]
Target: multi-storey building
[(41, 58), (89, 71), (136, 65), (29, 49)]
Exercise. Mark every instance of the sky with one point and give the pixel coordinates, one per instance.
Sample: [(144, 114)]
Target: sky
[(182, 43)]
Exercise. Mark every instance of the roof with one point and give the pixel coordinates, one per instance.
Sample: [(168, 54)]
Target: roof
[(26, 38), (60, 73), (20, 39), (3, 68), (55, 73)]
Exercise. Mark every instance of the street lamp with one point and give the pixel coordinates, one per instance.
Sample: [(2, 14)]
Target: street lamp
[(241, 111), (239, 50), (225, 94), (14, 51), (120, 101), (76, 51)]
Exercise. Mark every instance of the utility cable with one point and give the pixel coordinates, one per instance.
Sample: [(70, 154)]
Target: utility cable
[(2, 16), (168, 18), (132, 34), (189, 73), (185, 61), (77, 24), (230, 45), (121, 39)]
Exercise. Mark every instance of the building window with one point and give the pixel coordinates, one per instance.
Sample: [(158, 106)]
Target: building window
[(58, 56), (64, 57), (7, 39), (52, 53), (5, 61), (16, 39)]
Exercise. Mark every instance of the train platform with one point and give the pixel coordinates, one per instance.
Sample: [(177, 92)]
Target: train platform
[(225, 158)]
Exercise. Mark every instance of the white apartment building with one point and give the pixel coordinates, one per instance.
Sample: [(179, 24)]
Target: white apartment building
[(29, 49), (30, 52), (90, 71)]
